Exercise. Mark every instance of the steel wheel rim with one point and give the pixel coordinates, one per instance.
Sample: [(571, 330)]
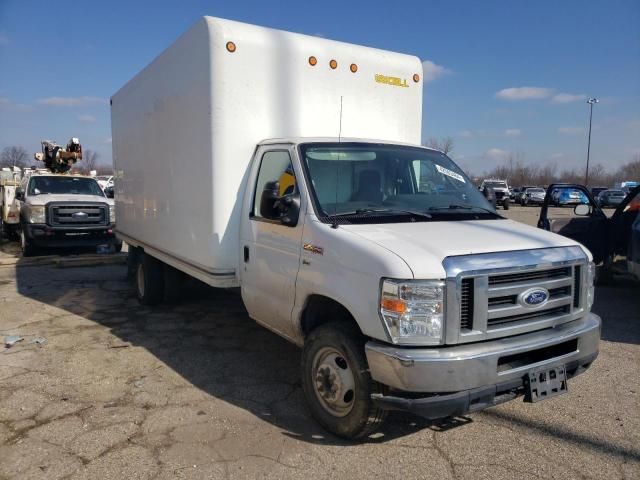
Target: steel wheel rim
[(333, 381), (140, 281)]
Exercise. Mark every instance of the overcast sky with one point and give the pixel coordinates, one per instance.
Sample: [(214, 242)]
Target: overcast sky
[(500, 76)]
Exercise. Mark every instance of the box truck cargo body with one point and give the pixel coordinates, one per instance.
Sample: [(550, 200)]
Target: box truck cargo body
[(291, 166), (185, 128)]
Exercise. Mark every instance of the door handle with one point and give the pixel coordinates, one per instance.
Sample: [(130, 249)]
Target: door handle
[(246, 254)]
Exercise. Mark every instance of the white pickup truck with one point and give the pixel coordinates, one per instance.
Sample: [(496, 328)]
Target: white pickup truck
[(60, 210), (290, 166)]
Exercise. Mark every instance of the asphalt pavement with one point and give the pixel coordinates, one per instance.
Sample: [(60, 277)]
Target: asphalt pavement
[(102, 387)]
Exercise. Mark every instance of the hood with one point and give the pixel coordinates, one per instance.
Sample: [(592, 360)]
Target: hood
[(424, 245), (46, 198)]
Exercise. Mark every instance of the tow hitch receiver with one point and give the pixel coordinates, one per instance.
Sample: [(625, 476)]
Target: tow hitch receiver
[(543, 384)]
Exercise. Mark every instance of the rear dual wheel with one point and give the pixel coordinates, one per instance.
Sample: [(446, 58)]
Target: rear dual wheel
[(149, 279)]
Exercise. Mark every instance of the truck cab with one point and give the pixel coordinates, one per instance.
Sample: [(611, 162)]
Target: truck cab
[(59, 210)]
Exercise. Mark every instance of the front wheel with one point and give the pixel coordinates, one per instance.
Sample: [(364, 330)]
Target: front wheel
[(28, 250), (337, 383), (505, 204)]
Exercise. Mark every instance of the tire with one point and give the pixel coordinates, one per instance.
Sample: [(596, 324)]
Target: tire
[(133, 257), (149, 280), (26, 245), (505, 204), (335, 351), (117, 247), (173, 280)]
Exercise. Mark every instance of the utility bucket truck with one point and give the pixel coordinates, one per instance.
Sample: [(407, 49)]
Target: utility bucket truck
[(290, 166)]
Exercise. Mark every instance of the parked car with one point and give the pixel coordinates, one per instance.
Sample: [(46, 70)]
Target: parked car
[(500, 191), (532, 196), (104, 181), (518, 196), (633, 255), (568, 196), (595, 191), (605, 237), (610, 198)]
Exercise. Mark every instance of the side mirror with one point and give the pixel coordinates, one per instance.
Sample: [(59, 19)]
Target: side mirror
[(268, 199), (582, 210), (19, 195), (290, 209)]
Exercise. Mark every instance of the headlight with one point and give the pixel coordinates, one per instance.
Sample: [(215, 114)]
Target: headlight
[(413, 312), (36, 214), (591, 276), (112, 213)]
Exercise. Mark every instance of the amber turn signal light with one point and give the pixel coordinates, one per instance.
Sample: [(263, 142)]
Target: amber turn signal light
[(333, 64), (416, 77), (231, 47), (313, 61), (393, 305), (353, 68)]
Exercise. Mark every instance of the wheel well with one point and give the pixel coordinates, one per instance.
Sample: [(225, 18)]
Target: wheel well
[(320, 310)]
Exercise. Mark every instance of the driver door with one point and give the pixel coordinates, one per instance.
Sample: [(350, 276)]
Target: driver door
[(570, 218), (270, 250)]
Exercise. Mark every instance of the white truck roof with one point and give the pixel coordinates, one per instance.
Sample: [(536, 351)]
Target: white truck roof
[(185, 128)]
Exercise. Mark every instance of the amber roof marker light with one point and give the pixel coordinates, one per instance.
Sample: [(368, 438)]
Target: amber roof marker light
[(416, 77), (333, 64), (231, 47), (313, 61), (353, 68)]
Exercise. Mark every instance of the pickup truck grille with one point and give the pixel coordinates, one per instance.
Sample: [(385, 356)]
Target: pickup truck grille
[(78, 215), (491, 303)]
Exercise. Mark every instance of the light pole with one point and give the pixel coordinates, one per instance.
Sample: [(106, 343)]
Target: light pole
[(591, 101)]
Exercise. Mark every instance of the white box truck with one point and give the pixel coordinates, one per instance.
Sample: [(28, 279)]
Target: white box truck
[(290, 166)]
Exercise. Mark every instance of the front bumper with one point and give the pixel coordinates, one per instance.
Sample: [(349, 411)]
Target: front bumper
[(438, 382), (45, 236)]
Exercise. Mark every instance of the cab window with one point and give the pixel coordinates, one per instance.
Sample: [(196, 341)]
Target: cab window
[(276, 173)]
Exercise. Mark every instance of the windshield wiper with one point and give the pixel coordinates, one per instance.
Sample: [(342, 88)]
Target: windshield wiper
[(456, 206), (391, 211)]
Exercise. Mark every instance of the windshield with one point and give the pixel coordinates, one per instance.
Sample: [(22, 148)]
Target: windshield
[(64, 185), (495, 184), (366, 180)]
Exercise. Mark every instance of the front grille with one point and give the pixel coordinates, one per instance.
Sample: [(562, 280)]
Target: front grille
[(526, 276), (537, 315), (466, 304), (500, 294), (577, 285), (78, 215)]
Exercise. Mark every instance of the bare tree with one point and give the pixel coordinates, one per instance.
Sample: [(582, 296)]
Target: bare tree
[(89, 160), (444, 144), (631, 170), (14, 157)]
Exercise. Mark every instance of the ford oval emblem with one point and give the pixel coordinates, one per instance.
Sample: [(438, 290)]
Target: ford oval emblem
[(534, 297)]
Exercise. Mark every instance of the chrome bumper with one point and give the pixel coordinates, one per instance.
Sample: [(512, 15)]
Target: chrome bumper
[(475, 365)]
